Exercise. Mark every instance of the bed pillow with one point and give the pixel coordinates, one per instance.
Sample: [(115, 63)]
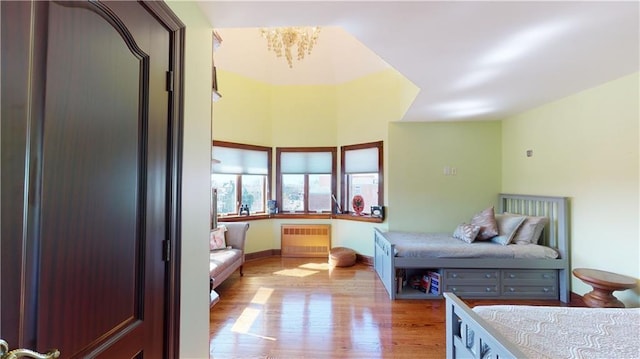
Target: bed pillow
[(486, 220), (507, 227), (530, 230), (466, 232), (217, 239)]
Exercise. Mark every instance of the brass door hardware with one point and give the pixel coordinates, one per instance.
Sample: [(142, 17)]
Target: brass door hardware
[(21, 353)]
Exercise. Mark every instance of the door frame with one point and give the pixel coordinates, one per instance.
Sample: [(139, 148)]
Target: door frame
[(172, 267), (175, 142)]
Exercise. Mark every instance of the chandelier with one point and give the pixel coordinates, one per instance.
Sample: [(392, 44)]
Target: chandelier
[(281, 40)]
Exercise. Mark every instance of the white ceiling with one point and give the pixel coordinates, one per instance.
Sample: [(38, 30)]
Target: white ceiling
[(471, 60), (338, 57)]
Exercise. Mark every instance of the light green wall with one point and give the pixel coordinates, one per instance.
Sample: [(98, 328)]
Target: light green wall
[(244, 108), (421, 197), (261, 236), (194, 293), (585, 147), (264, 235), (257, 113), (366, 105), (303, 116), (281, 116)]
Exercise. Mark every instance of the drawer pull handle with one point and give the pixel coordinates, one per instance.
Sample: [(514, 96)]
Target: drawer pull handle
[(546, 276), (512, 275), (512, 289), (454, 289), (546, 290), (488, 289), (454, 275), (487, 275)]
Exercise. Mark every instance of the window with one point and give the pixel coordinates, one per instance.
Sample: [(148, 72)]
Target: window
[(306, 179), (242, 177), (361, 171)]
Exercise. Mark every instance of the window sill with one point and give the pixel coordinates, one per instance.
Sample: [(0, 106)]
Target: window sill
[(302, 215), (363, 218), (251, 217), (345, 216), (236, 218)]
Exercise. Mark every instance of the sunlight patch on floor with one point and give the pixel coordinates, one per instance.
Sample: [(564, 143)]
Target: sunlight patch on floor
[(261, 336), (295, 272), (262, 295), (316, 266), (245, 322)]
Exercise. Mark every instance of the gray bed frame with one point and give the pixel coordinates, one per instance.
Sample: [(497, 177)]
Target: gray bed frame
[(491, 277), (469, 336)]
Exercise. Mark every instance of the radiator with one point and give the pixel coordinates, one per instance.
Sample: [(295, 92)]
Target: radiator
[(305, 240)]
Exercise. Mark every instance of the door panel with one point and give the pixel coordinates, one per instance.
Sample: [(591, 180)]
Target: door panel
[(88, 134), (15, 33), (92, 211)]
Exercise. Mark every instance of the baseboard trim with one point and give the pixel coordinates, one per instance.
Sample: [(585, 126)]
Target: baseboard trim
[(261, 254), (575, 300)]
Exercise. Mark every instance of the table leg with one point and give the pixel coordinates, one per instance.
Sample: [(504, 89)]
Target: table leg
[(602, 298)]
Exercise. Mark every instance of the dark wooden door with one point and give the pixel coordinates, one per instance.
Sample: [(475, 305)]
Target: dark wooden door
[(89, 204)]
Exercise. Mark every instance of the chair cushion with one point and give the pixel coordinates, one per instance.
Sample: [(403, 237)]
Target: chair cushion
[(221, 259)]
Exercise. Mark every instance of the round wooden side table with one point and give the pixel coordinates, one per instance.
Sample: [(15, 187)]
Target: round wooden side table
[(603, 284)]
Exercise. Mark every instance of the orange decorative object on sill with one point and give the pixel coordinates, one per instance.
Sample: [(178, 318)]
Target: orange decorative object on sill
[(358, 204)]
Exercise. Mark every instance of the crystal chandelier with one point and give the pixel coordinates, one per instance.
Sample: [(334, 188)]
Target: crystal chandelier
[(281, 40)]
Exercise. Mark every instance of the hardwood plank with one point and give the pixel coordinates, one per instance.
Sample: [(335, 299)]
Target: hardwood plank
[(299, 307)]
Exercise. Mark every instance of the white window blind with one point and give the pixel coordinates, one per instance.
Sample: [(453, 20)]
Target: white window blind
[(240, 161), (361, 161), (305, 162)]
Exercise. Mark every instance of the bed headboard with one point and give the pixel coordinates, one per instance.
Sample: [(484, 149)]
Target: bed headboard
[(556, 232)]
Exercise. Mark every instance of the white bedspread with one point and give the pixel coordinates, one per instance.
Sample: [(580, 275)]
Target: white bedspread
[(443, 245), (561, 332)]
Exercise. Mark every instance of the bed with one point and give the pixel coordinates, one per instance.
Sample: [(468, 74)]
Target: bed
[(509, 275), (520, 331)]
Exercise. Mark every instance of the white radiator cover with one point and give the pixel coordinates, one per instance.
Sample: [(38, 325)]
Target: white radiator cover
[(305, 240)]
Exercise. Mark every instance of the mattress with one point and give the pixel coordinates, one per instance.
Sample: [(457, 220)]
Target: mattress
[(443, 245), (563, 332)]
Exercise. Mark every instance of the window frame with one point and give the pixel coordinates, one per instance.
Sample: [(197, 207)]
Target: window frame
[(267, 194), (344, 198), (279, 152)]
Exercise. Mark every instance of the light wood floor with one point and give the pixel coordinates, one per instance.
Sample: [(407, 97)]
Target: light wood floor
[(300, 308)]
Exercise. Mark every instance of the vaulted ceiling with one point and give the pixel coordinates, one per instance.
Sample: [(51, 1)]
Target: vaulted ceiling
[(470, 60)]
